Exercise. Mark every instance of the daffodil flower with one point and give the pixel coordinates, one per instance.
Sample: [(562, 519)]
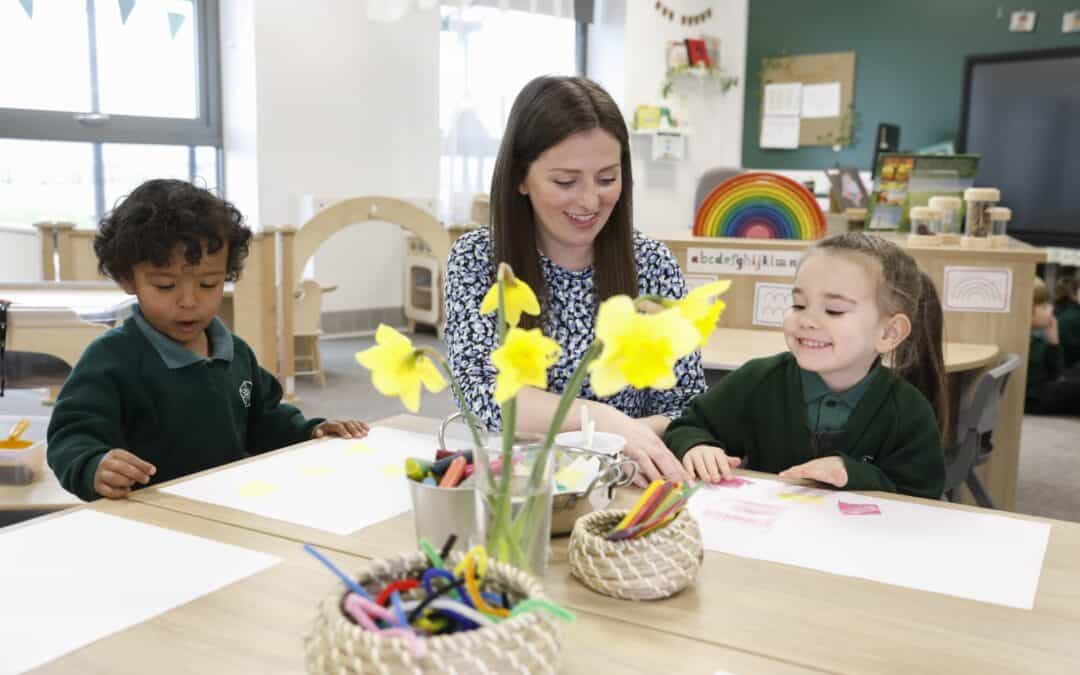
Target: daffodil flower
[(398, 368), (523, 359), (640, 350), (517, 297), (700, 308)]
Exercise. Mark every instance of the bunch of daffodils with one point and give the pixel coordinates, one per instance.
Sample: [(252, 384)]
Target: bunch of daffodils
[(633, 348)]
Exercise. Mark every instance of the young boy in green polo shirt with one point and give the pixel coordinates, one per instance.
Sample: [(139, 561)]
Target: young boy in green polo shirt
[(171, 391), (828, 409), (1053, 388)]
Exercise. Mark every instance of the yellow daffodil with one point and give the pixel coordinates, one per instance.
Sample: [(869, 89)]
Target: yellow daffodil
[(523, 359), (517, 297), (640, 350), (398, 368), (702, 307)]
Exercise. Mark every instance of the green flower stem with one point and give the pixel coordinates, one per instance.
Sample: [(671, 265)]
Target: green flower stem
[(531, 515), (470, 420)]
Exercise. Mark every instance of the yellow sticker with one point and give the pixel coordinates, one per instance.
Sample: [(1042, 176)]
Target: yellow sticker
[(317, 470), (361, 449), (392, 470), (802, 499), (257, 488)]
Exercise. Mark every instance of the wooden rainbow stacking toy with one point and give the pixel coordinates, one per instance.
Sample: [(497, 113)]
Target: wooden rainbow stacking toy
[(760, 206)]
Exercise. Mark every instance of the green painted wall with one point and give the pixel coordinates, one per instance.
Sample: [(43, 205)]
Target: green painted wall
[(909, 63)]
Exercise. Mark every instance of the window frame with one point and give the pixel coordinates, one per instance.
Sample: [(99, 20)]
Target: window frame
[(204, 130)]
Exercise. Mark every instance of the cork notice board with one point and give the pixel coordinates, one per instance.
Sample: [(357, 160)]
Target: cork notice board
[(811, 69)]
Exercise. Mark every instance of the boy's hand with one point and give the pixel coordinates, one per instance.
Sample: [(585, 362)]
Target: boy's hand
[(1052, 331), (118, 471), (341, 429), (710, 463), (825, 470)]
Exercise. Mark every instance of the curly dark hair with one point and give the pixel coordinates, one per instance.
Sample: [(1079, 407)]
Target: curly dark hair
[(162, 214)]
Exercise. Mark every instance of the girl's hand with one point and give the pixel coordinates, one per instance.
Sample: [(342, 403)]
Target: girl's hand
[(653, 458), (710, 463), (346, 429), (825, 470)]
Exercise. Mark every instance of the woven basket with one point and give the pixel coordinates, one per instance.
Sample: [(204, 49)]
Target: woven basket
[(527, 643), (655, 566)]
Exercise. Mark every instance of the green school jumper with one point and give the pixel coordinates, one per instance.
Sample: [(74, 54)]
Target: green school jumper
[(1068, 318), (1045, 365), (135, 389), (889, 442)]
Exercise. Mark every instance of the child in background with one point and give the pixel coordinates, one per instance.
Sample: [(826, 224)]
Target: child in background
[(828, 410), (1067, 314), (1052, 389), (171, 391)]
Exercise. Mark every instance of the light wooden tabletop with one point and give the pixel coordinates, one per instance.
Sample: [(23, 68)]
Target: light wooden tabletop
[(796, 615), (729, 348), (257, 625)]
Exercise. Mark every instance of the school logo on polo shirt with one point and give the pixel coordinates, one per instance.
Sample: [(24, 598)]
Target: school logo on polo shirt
[(245, 393)]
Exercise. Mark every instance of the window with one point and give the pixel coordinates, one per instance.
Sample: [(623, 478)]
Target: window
[(486, 56), (97, 96)]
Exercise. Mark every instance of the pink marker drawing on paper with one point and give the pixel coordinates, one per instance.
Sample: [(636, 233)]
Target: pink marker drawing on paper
[(849, 509), (735, 482)]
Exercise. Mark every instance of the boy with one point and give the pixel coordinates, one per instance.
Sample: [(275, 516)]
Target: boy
[(1051, 389), (171, 391)]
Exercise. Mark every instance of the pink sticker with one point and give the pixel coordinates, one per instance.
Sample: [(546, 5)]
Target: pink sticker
[(733, 482), (859, 509)]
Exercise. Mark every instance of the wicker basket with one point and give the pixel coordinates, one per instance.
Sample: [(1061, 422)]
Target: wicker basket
[(655, 566), (527, 643)]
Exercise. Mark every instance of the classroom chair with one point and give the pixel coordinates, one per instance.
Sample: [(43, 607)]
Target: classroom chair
[(308, 329), (710, 179), (975, 423)]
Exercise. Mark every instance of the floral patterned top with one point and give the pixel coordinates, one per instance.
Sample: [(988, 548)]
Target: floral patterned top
[(569, 320)]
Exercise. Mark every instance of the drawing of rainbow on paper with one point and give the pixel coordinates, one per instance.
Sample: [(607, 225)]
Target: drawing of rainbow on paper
[(771, 302), (977, 289)]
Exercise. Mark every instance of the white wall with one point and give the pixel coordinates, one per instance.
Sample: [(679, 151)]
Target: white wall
[(342, 106), (20, 253), (664, 191)]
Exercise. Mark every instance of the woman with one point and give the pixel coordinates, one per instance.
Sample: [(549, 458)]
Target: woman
[(561, 214)]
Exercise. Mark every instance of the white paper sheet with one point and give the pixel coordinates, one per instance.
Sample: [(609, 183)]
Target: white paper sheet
[(979, 556), (783, 99), (821, 100), (76, 578), (780, 132), (771, 302), (977, 289), (336, 485)]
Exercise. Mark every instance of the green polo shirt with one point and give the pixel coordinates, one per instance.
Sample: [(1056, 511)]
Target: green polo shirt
[(174, 355), (827, 410)]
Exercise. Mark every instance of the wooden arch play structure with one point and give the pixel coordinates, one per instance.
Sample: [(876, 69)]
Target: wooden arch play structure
[(299, 244)]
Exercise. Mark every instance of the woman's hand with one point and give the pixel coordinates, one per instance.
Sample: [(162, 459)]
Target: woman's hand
[(643, 445)]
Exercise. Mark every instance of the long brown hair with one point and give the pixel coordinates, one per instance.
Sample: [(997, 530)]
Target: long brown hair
[(905, 289), (547, 111)]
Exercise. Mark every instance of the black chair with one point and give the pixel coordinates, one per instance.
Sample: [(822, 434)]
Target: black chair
[(974, 433)]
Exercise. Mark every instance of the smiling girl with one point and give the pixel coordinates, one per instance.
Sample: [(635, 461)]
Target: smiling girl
[(828, 409)]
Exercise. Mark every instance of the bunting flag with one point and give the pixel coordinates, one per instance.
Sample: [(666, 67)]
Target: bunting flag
[(175, 21), (125, 9), (28, 5)]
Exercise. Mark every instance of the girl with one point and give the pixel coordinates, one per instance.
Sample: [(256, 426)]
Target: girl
[(827, 409), (561, 217)]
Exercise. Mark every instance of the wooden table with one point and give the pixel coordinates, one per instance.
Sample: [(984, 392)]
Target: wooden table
[(729, 348), (257, 625), (789, 614)]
